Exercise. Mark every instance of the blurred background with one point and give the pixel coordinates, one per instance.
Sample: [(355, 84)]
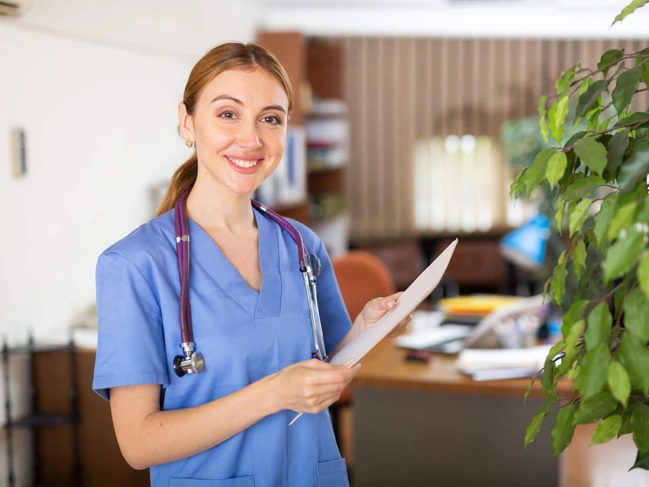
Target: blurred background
[(412, 117)]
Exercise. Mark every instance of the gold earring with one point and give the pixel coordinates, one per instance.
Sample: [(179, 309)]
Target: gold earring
[(189, 143)]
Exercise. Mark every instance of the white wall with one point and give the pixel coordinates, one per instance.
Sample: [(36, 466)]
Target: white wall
[(95, 85), (520, 18), (95, 89)]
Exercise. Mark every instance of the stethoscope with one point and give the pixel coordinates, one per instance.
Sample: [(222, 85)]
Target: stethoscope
[(192, 361)]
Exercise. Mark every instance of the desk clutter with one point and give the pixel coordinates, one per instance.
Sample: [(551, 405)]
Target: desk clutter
[(495, 337)]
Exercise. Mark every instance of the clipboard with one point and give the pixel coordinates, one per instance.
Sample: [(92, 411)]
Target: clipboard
[(412, 297)]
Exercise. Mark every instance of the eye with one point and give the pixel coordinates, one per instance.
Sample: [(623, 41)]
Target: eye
[(228, 115), (272, 119)]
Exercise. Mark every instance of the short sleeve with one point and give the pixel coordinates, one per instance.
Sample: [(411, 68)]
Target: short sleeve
[(333, 313), (130, 348)]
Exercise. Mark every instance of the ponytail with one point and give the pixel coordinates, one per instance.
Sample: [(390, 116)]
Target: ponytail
[(183, 178)]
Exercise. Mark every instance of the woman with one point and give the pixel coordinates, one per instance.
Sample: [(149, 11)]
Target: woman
[(229, 424)]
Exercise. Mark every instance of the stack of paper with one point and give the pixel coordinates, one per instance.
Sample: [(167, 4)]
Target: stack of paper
[(502, 363)]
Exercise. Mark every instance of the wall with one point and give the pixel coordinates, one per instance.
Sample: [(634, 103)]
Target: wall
[(96, 91), (439, 18), (95, 85)]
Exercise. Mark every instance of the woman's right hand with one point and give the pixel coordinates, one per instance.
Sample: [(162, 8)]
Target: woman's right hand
[(312, 385)]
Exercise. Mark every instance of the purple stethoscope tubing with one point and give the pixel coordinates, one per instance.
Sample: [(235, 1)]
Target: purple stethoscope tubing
[(192, 361)]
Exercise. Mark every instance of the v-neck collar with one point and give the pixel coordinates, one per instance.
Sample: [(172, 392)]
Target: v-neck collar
[(204, 252)]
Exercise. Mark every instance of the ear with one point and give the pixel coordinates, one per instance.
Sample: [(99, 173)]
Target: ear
[(185, 123)]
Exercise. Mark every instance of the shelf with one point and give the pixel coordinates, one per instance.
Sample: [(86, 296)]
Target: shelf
[(40, 421), (317, 169), (26, 349)]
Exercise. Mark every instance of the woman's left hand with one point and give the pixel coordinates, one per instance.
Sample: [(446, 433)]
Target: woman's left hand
[(376, 308)]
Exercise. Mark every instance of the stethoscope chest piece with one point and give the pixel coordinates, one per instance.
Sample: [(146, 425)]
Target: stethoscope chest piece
[(192, 365)]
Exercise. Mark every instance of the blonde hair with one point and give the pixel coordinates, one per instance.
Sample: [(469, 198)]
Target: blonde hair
[(224, 57)]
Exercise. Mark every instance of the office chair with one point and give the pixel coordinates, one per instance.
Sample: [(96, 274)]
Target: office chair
[(361, 277)]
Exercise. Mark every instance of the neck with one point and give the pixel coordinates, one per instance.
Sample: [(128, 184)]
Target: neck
[(214, 208)]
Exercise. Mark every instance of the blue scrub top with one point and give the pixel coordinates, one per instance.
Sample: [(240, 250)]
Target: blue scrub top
[(244, 336)]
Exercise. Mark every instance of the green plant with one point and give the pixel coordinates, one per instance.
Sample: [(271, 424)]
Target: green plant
[(599, 183)]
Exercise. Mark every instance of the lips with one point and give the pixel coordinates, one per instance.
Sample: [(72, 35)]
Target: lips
[(245, 166)]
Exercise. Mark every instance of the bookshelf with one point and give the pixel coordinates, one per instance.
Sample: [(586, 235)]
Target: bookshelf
[(320, 116)]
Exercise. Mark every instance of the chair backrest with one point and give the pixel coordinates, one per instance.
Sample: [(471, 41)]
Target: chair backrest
[(361, 277)]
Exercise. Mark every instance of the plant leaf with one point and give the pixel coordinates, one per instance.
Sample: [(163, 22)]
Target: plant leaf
[(543, 126), (590, 97), (634, 169), (594, 370), (556, 167), (598, 325), (577, 215), (643, 213), (607, 429), (627, 426), (571, 339), (623, 254), (592, 153), (575, 137), (535, 174), (557, 118), (559, 283), (643, 274), (582, 187), (629, 9), (635, 119), (573, 315), (563, 429), (636, 315), (616, 148), (635, 358), (625, 88), (566, 79), (549, 378), (560, 215), (603, 219), (641, 461), (643, 65), (618, 382), (640, 422), (597, 407), (534, 427), (607, 60), (579, 256), (622, 219)]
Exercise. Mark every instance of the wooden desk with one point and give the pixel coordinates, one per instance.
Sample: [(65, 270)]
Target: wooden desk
[(419, 424)]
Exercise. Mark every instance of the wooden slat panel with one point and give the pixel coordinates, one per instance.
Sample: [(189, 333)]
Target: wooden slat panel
[(414, 90)]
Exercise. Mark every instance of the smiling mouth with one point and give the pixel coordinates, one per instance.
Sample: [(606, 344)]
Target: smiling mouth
[(243, 163)]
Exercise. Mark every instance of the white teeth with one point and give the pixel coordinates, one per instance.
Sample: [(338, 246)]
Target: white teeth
[(242, 163)]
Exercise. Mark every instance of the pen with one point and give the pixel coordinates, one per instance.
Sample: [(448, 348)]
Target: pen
[(295, 419)]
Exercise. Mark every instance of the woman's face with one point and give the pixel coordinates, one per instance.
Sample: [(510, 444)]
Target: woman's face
[(239, 128)]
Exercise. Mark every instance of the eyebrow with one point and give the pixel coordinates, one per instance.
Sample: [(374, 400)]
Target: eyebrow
[(239, 102)]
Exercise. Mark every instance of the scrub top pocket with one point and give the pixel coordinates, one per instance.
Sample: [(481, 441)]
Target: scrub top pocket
[(333, 474), (246, 481)]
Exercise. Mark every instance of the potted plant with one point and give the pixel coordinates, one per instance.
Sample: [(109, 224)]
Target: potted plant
[(599, 182)]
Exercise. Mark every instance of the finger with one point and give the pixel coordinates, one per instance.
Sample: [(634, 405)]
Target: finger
[(329, 399), (341, 374), (395, 296), (377, 307), (314, 363)]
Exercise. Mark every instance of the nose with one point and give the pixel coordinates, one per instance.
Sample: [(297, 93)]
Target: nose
[(248, 138)]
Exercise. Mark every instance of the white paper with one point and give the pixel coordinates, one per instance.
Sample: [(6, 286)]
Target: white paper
[(473, 360), (430, 338), (419, 290)]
